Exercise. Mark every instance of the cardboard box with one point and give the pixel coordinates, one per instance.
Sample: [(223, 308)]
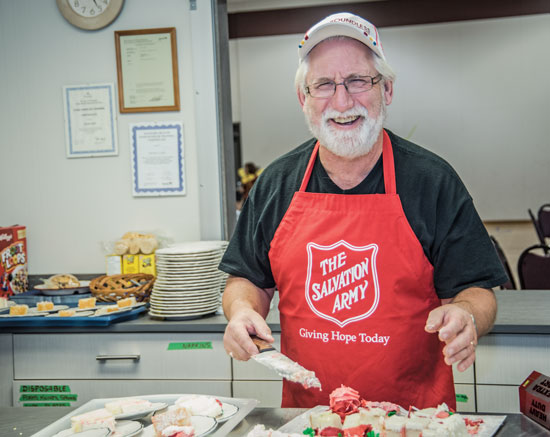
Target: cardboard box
[(130, 264), (14, 277), (147, 264), (534, 398), (113, 264)]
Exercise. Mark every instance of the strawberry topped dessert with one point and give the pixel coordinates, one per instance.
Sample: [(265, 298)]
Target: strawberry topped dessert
[(349, 415)]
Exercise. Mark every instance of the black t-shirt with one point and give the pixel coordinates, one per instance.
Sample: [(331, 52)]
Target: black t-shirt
[(435, 201)]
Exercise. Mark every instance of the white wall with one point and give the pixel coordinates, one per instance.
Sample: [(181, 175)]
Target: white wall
[(475, 92), (71, 205)]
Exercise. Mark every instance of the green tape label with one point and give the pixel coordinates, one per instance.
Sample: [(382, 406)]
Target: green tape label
[(44, 389), (47, 404), (48, 397), (190, 345), (461, 398)]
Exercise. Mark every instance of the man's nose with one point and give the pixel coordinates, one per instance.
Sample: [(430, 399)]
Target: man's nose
[(342, 100)]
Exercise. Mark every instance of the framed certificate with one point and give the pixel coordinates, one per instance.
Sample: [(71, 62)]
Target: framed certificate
[(90, 120), (157, 159), (147, 70)]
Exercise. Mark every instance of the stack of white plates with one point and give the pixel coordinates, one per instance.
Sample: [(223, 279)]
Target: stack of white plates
[(188, 283)]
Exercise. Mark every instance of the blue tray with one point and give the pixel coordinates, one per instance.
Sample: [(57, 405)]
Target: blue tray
[(32, 297), (106, 320)]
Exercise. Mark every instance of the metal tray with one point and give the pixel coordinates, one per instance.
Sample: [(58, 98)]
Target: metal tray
[(490, 426), (245, 407), (42, 321)]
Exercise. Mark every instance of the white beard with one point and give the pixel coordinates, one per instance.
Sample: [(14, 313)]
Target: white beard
[(348, 143)]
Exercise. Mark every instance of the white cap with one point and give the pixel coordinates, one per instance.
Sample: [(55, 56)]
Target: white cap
[(342, 24)]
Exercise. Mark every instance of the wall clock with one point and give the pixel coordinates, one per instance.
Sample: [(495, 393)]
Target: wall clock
[(90, 14)]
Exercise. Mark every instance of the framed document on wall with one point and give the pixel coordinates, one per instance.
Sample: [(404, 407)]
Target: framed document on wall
[(90, 120), (157, 159), (147, 70)]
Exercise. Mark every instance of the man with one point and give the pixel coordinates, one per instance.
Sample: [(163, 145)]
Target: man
[(382, 264)]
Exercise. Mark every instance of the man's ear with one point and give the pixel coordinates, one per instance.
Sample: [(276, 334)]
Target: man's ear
[(301, 97), (388, 91)]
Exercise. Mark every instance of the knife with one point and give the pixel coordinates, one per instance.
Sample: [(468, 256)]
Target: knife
[(284, 366)]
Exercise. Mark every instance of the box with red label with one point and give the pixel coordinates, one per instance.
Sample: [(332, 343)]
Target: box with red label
[(534, 398), (13, 260)]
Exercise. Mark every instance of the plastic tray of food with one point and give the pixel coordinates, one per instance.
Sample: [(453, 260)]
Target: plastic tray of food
[(34, 320), (236, 408)]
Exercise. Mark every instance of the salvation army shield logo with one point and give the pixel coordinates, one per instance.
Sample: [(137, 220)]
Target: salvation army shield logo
[(342, 283)]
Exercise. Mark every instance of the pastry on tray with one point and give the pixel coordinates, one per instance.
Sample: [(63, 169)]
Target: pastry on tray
[(66, 313), (128, 302), (349, 415), (100, 418), (201, 405), (57, 282), (128, 406), (44, 306), (86, 303), (19, 310), (175, 422)]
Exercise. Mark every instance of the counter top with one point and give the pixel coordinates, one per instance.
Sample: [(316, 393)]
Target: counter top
[(519, 312), (23, 422)]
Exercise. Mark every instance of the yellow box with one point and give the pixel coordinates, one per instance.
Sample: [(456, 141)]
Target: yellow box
[(147, 264), (130, 264), (114, 264)]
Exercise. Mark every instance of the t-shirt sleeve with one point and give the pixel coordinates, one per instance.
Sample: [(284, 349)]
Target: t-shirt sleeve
[(247, 253), (462, 253)]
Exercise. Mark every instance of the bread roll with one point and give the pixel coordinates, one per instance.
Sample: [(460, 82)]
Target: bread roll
[(133, 246), (121, 247), (148, 245)]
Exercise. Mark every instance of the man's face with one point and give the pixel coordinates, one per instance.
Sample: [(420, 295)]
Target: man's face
[(346, 124)]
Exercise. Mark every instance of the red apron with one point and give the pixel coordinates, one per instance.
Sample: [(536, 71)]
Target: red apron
[(355, 292)]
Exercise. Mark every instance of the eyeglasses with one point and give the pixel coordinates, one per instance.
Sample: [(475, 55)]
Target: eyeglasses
[(353, 85)]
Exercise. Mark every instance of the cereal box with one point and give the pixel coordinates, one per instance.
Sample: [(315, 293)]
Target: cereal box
[(13, 260), (130, 264), (147, 264), (114, 264)]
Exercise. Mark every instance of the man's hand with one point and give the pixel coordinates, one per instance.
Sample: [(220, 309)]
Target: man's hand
[(243, 324), (456, 328), (246, 307), (456, 320)]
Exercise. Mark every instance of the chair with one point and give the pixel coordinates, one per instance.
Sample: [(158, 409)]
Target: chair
[(536, 225), (543, 218), (511, 283), (534, 268)]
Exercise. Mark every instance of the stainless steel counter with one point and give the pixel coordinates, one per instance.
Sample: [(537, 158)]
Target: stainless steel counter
[(519, 312), (23, 422)]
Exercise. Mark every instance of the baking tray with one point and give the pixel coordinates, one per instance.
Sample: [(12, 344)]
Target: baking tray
[(245, 407), (488, 428), (43, 321)]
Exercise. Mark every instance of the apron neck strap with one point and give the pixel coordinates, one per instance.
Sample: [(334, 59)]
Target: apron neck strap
[(309, 168), (387, 160), (388, 164)]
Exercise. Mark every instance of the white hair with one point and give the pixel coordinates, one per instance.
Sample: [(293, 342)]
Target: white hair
[(381, 66)]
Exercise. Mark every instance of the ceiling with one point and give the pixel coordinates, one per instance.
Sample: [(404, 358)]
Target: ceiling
[(259, 5), (249, 18)]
